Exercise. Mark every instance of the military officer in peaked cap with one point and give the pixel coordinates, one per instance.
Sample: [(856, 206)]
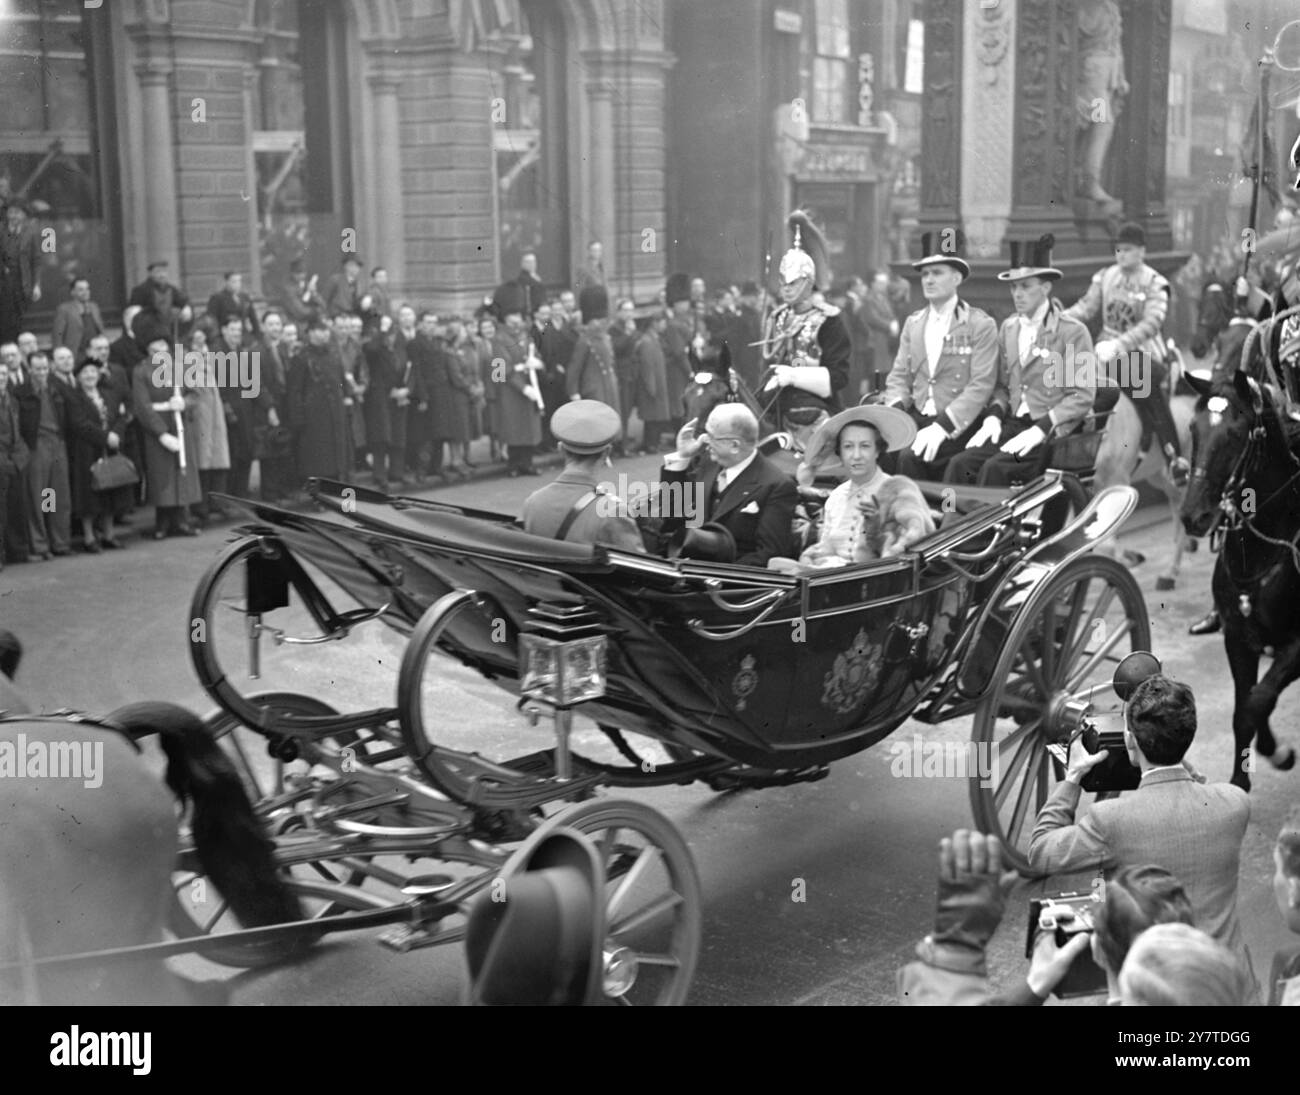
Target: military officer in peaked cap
[(575, 507)]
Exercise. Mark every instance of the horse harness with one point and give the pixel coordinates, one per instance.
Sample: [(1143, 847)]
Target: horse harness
[(1231, 518), (67, 716)]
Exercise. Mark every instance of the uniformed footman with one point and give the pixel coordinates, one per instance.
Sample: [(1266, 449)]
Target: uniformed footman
[(575, 507), (947, 361), (1046, 378)]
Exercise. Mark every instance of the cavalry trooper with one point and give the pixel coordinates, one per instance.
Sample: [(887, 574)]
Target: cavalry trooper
[(1133, 299), (1046, 377), (575, 507), (947, 361), (806, 342)]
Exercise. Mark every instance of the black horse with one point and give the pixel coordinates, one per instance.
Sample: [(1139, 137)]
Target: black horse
[(1212, 315), (1246, 487)]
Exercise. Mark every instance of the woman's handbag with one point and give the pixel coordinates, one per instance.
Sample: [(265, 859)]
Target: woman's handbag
[(111, 472)]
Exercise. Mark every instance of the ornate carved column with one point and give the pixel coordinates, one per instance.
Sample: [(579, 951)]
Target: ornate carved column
[(389, 216), (941, 129), (161, 237), (1045, 124), (1137, 163), (988, 97)]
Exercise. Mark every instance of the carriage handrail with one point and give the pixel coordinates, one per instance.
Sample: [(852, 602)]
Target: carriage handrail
[(760, 600), (713, 635)]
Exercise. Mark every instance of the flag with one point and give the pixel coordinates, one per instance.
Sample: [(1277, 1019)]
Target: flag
[(1265, 172)]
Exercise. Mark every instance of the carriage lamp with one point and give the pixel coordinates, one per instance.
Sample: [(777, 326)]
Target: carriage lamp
[(562, 650)]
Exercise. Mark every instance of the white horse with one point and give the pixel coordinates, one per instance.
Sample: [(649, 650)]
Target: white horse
[(1122, 461)]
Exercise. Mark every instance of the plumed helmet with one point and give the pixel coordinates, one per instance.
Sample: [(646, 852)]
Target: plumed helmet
[(807, 257)]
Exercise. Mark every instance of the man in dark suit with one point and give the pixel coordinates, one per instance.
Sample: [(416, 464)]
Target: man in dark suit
[(43, 421), (739, 488), (163, 303), (1192, 829), (77, 321), (574, 507), (13, 461), (20, 268), (344, 292), (231, 301)]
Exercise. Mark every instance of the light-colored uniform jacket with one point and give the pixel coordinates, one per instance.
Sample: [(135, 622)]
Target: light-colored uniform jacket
[(1132, 308)]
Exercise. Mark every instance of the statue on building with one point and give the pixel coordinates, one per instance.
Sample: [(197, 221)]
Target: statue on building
[(1100, 87)]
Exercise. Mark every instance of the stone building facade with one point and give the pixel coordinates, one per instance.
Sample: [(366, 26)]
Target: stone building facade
[(439, 138)]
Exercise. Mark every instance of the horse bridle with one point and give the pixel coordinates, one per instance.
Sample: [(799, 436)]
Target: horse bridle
[(1229, 517)]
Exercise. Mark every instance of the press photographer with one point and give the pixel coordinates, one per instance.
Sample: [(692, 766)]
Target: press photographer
[(1191, 828)]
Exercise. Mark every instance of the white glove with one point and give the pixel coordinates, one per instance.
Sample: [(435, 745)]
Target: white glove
[(1024, 441), (113, 440), (782, 377), (176, 403), (272, 419), (170, 442), (532, 393), (988, 433), (928, 441), (1243, 287), (1106, 350)]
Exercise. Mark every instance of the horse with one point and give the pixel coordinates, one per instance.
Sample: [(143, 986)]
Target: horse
[(1121, 460), (86, 863), (1212, 315), (1246, 487)]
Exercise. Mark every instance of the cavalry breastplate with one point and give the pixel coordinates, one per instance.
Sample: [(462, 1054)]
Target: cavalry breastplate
[(793, 333)]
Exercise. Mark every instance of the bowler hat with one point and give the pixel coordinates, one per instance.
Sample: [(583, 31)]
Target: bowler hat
[(536, 936), (586, 426), (1131, 233), (945, 246), (1031, 259), (712, 543)]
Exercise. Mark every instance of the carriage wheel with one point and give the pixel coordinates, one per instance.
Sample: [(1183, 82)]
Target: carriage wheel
[(653, 901), (1063, 645), (198, 910), (221, 653)]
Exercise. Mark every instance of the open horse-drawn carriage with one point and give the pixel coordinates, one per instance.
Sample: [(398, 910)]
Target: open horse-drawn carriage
[(655, 671)]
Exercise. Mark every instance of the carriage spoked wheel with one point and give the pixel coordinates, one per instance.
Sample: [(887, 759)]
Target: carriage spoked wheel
[(252, 628), (1063, 647), (653, 902)]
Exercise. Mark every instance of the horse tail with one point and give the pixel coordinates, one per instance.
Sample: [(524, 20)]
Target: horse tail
[(231, 845)]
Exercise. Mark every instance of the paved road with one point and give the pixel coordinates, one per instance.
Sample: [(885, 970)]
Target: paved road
[(107, 630)]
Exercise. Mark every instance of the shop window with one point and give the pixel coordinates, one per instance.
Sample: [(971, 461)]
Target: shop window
[(529, 139), (832, 89), (301, 140), (54, 68)]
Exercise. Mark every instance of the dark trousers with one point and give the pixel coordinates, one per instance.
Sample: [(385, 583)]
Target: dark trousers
[(211, 480), (419, 431), (12, 306), (989, 466), (279, 478), (520, 457), (389, 462), (1146, 387), (169, 518), (241, 466), (931, 470), (49, 516), (13, 515)]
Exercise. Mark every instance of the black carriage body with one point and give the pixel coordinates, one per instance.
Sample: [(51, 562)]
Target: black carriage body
[(735, 662)]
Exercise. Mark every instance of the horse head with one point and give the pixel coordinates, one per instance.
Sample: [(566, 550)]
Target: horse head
[(711, 385), (1236, 428), (1212, 315)]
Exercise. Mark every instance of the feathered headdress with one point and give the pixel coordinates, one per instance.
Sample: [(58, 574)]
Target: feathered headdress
[(807, 257)]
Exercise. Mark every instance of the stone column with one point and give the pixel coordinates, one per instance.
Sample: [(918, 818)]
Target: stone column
[(389, 215), (1045, 124), (988, 97), (161, 239), (941, 130), (1138, 150), (599, 158)]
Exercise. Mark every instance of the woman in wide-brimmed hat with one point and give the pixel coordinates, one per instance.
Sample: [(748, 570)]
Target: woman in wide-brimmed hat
[(855, 439)]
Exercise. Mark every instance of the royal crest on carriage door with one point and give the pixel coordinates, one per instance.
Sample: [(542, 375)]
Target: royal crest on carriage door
[(853, 677)]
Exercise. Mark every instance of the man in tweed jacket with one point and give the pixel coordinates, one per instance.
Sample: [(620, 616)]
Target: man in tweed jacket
[(1191, 828)]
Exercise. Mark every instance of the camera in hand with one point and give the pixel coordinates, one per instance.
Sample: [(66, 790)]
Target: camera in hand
[(1096, 732), (1067, 915)]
